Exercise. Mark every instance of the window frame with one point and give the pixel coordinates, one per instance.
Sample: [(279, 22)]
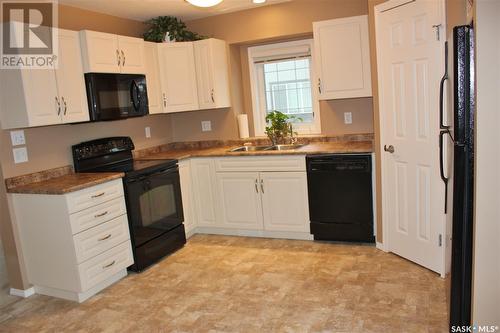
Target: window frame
[(257, 84)]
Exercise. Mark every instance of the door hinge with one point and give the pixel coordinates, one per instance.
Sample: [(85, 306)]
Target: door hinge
[(438, 31), (440, 241)]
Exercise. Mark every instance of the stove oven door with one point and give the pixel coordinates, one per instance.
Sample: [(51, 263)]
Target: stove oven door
[(154, 205)]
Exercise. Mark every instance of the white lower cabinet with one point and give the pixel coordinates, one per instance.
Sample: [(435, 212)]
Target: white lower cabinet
[(250, 196), (187, 195), (240, 200), (285, 204), (76, 244)]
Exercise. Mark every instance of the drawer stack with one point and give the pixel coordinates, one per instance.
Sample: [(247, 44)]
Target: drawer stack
[(75, 244)]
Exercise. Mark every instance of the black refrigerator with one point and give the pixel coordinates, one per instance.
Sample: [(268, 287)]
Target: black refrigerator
[(462, 135)]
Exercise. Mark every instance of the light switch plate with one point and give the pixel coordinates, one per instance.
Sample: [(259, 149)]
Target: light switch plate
[(206, 126), (347, 118), (20, 155), (17, 138), (147, 130)]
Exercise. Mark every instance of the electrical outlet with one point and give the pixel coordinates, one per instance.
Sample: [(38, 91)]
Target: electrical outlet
[(147, 129), (17, 138), (347, 118), (206, 126), (20, 155)]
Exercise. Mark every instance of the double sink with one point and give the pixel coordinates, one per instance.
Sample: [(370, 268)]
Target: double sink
[(266, 148)]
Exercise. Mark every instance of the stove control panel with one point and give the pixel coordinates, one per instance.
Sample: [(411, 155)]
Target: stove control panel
[(101, 147)]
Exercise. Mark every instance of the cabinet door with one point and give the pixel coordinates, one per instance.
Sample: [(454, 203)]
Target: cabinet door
[(187, 196), (240, 200), (212, 73), (100, 52), (153, 78), (131, 55), (204, 191), (178, 76), (42, 98), (343, 58), (284, 201), (70, 81)]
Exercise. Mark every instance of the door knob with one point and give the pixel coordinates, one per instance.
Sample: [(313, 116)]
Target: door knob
[(389, 149)]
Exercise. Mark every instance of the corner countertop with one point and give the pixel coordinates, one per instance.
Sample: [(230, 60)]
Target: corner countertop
[(65, 184), (314, 148)]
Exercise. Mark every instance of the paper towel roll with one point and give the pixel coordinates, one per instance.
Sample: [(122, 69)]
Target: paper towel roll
[(243, 126)]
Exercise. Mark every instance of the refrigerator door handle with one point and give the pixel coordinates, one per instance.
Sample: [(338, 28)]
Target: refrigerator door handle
[(441, 168), (441, 89)]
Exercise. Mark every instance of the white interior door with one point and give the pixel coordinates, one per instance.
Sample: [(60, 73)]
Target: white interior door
[(410, 64), (70, 81)]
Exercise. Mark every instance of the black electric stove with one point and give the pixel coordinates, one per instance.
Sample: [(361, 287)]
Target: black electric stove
[(152, 193)]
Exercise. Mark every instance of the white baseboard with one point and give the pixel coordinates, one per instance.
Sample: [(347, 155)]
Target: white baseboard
[(22, 293), (254, 233), (381, 246)]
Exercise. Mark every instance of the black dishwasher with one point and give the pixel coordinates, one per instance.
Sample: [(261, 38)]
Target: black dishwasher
[(340, 197)]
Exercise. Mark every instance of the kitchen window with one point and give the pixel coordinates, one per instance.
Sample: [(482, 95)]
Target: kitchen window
[(281, 77)]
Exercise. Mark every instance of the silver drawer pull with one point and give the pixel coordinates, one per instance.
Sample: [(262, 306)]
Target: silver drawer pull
[(101, 215), (110, 264), (104, 238), (98, 195)]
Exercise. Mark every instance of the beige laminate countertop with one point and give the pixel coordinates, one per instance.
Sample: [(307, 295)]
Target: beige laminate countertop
[(314, 148), (66, 184)]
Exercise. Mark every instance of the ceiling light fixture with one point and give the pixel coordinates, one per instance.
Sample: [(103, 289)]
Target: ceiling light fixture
[(259, 1), (204, 3)]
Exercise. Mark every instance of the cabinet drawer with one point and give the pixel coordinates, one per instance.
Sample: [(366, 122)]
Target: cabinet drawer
[(94, 195), (97, 240), (261, 163), (105, 265), (96, 215)]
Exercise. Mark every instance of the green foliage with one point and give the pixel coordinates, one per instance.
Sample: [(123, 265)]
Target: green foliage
[(160, 25), (279, 127)]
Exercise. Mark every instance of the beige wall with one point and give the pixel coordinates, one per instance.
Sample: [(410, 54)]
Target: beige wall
[(486, 289), (49, 147), (270, 24)]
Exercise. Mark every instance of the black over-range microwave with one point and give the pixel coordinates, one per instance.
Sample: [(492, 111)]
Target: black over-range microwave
[(116, 96)]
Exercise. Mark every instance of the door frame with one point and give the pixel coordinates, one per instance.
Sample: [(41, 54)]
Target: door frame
[(378, 10)]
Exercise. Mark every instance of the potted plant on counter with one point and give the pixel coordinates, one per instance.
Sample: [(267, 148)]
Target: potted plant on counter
[(279, 127)]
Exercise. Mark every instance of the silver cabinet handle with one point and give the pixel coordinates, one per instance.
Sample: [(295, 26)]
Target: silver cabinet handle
[(98, 195), (212, 95), (319, 86), (256, 186), (65, 105), (58, 106), (104, 238), (123, 56), (118, 57), (389, 149), (262, 186), (164, 100), (110, 264), (101, 215)]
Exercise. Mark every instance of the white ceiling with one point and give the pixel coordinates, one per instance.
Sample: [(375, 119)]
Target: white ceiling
[(145, 9)]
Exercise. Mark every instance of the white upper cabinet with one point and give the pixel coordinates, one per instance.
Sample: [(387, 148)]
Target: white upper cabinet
[(153, 78), (342, 52), (132, 55), (70, 83), (109, 53), (212, 73), (178, 77), (38, 97)]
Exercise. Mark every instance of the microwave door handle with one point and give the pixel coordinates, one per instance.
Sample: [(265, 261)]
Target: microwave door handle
[(135, 96)]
